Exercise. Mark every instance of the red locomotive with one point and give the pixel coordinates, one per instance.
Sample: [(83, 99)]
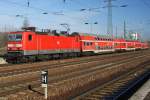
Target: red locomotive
[(27, 45)]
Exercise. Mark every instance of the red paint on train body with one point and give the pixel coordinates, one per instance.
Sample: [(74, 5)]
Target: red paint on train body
[(29, 43)]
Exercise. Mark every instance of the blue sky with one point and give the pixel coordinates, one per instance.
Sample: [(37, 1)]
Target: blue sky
[(137, 15)]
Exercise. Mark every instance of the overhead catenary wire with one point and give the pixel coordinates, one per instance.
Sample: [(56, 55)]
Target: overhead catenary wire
[(29, 6), (87, 6), (32, 7), (37, 9), (24, 5), (40, 9)]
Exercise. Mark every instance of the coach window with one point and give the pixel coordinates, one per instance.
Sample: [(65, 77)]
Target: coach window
[(88, 43), (91, 43), (30, 37), (116, 44), (124, 44), (85, 43)]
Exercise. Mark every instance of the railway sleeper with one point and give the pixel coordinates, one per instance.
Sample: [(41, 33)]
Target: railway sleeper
[(117, 84), (93, 96), (90, 98), (110, 89), (119, 94)]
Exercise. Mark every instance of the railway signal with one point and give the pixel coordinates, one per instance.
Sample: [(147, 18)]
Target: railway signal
[(44, 80)]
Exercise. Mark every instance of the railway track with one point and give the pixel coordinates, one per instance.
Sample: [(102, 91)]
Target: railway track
[(4, 65), (57, 77), (75, 59), (24, 68), (58, 58), (119, 88)]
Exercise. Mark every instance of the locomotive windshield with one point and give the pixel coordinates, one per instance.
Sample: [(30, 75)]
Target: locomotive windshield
[(15, 37)]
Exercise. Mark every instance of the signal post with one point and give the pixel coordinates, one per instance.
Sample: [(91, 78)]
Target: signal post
[(44, 80)]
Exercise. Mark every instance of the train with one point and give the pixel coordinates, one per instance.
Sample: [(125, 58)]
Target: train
[(31, 45)]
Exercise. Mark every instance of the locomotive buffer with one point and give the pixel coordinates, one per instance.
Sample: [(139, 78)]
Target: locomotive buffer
[(44, 80)]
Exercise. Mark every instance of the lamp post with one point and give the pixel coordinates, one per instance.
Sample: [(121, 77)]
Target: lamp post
[(91, 25), (90, 10)]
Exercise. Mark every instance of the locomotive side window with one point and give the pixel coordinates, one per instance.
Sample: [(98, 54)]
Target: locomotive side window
[(30, 37)]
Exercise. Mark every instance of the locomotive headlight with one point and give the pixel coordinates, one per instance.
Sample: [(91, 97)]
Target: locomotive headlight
[(10, 45), (18, 45)]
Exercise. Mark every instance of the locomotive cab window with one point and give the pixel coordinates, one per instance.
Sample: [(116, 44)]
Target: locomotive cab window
[(14, 37), (18, 37), (30, 37)]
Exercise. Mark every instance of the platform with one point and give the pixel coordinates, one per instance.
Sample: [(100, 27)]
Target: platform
[(142, 93)]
